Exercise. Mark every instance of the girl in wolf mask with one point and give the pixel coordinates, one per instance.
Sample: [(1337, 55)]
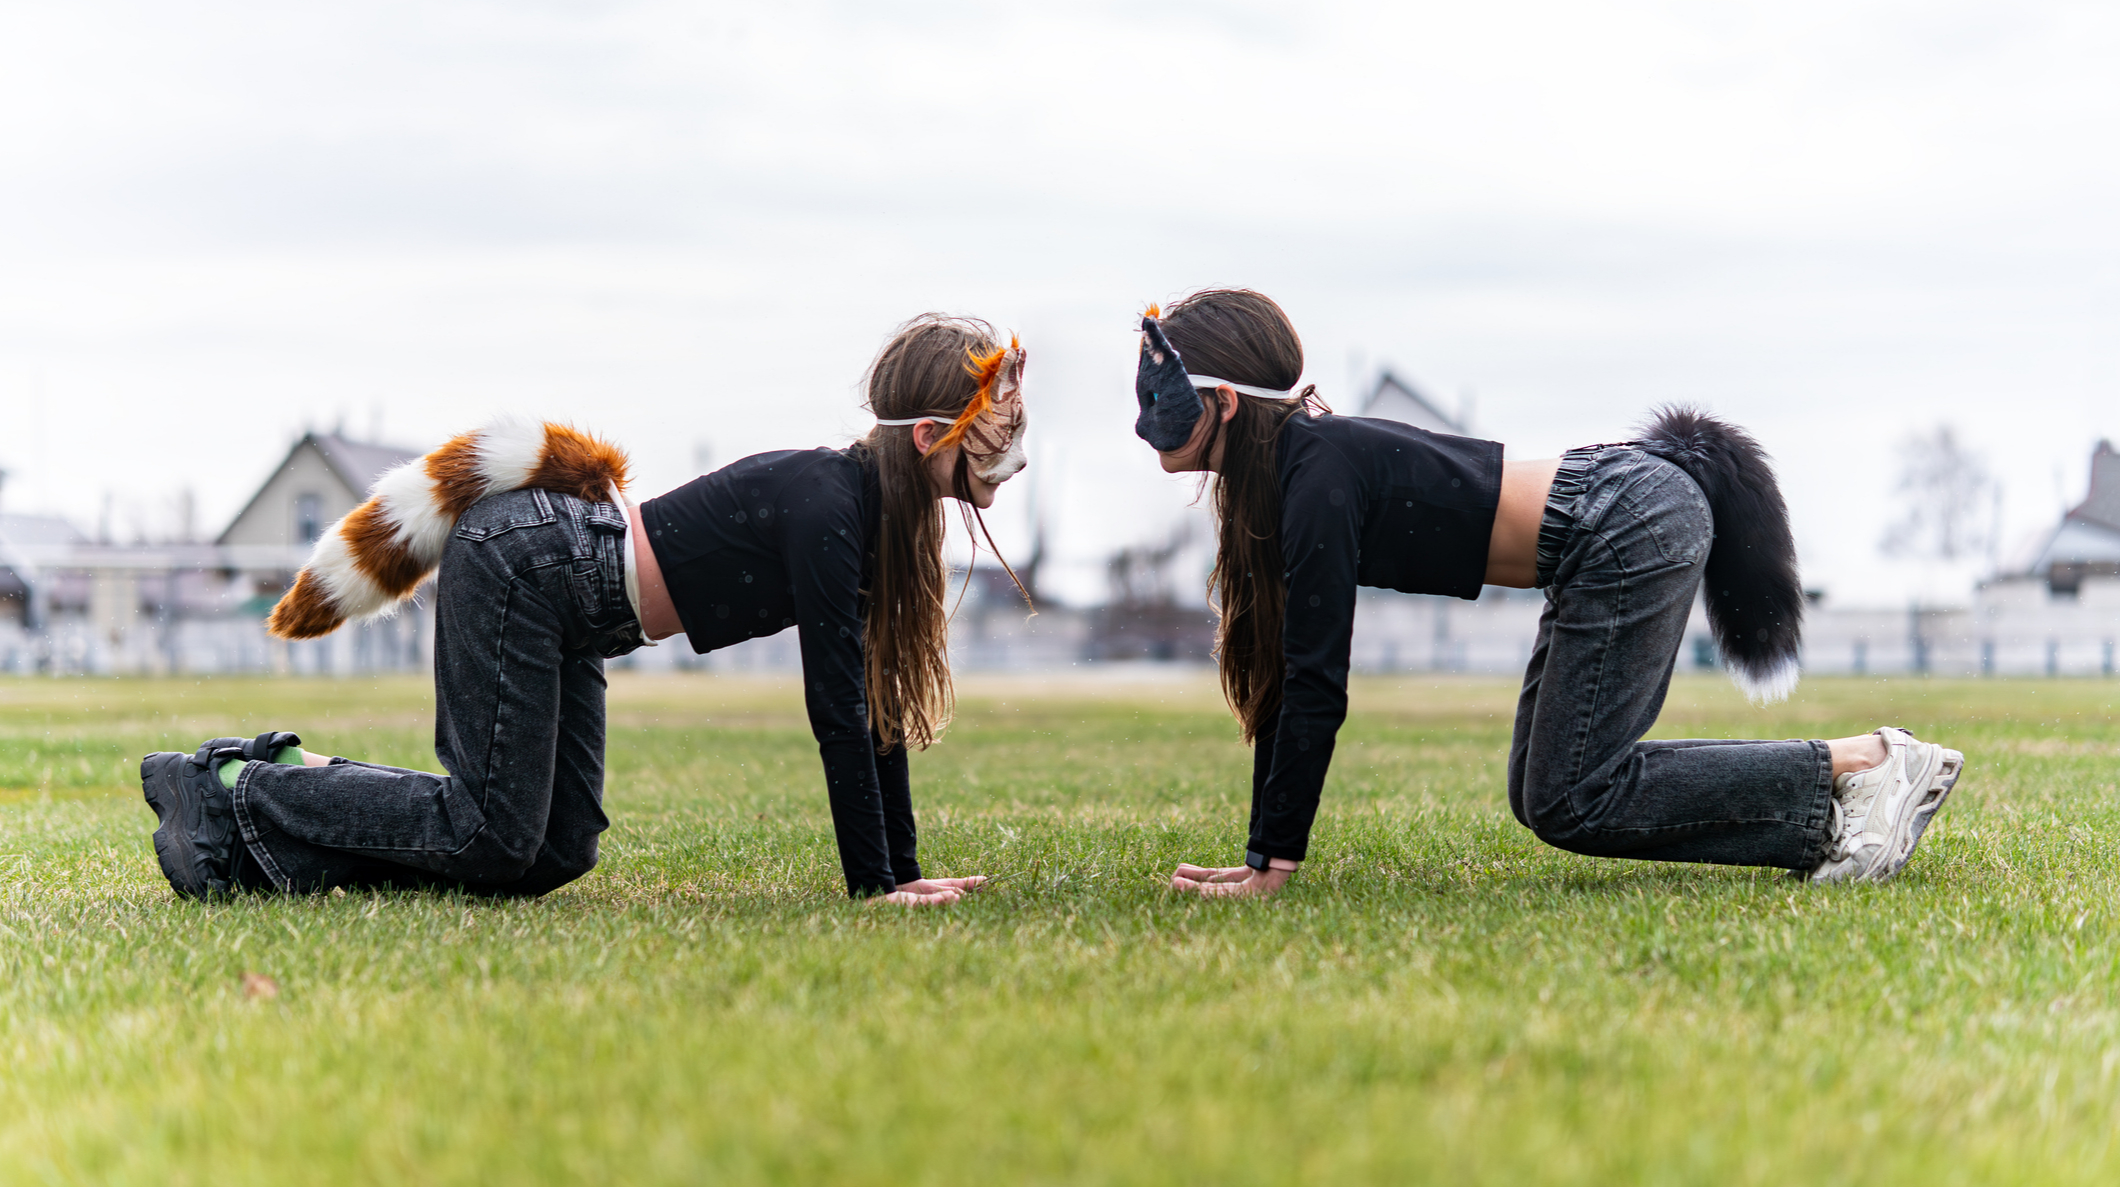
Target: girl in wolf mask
[(1310, 505), (545, 570)]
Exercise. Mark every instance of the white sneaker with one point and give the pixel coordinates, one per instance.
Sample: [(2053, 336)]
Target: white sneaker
[(1879, 814)]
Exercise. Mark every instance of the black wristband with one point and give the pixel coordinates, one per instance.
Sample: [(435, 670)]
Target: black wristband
[(1257, 861)]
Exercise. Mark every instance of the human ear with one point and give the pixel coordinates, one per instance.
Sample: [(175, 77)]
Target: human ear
[(1226, 402), (924, 437)]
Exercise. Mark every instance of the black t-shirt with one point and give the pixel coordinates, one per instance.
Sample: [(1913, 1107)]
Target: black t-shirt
[(789, 539), (1363, 502)]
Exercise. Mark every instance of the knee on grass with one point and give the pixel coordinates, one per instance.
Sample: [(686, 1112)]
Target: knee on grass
[(539, 860), (1554, 822)]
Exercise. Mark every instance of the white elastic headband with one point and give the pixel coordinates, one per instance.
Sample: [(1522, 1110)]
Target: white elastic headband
[(1264, 393), (917, 420)]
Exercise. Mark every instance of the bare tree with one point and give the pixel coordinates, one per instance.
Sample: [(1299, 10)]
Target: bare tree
[(1140, 575), (1949, 500)]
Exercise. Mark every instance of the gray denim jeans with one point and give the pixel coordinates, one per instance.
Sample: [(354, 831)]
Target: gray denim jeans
[(529, 602), (1621, 552)]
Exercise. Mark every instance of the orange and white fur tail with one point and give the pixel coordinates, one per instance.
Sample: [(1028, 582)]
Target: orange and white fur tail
[(370, 561)]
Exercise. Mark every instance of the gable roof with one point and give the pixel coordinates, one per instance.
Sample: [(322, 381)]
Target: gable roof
[(359, 463), (39, 531), (2090, 533), (1393, 398), (356, 463), (22, 539)]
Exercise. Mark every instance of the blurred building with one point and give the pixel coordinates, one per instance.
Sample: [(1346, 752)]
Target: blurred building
[(1393, 398), (2054, 614), (323, 477), (998, 627), (1152, 611), (69, 604), (2086, 545)]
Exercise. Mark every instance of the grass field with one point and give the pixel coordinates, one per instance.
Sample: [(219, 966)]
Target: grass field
[(1438, 999)]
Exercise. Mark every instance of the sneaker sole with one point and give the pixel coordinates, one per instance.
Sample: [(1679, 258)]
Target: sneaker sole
[(1936, 783), (1941, 784), (159, 778)]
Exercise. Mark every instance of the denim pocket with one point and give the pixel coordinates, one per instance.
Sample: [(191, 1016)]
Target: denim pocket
[(1672, 512), (597, 578), (503, 513), (587, 582)]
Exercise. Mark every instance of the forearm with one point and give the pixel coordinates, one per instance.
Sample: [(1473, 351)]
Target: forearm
[(1289, 773), (1285, 829), (1320, 549), (900, 834), (839, 719), (857, 816)]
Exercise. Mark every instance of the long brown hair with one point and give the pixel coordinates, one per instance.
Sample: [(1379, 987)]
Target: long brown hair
[(921, 371), (1241, 336)]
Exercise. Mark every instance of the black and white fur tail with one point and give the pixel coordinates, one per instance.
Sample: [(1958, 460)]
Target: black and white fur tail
[(1756, 606)]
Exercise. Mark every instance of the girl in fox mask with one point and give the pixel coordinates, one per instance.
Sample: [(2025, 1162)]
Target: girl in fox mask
[(545, 570)]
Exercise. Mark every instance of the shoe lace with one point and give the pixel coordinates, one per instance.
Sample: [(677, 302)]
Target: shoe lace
[(1846, 829), (1838, 847)]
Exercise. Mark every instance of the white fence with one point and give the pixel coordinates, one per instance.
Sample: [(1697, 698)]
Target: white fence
[(2014, 628)]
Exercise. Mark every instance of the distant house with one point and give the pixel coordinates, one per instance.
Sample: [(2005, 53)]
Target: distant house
[(2087, 543), (1154, 611), (323, 477), (2054, 614), (70, 604), (24, 540), (1393, 398)]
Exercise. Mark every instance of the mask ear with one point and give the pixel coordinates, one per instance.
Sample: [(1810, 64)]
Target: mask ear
[(1164, 393)]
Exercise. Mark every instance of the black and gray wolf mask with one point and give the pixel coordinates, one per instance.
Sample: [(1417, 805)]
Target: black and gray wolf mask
[(1169, 405)]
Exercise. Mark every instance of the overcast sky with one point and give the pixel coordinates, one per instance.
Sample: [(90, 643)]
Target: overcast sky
[(689, 226)]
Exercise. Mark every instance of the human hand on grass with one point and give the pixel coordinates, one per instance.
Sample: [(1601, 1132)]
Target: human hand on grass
[(1229, 881), (931, 892)]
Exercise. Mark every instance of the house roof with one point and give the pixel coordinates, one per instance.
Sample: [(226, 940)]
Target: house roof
[(22, 539), (39, 531), (1391, 390), (356, 463), (2079, 543), (2090, 534)]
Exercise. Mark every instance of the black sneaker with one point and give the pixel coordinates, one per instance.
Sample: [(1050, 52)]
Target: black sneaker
[(258, 749), (196, 841)]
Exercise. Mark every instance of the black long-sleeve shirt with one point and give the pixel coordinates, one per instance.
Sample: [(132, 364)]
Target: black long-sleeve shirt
[(789, 539), (1363, 502)]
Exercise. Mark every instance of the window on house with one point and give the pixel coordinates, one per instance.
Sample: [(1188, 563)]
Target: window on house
[(309, 518)]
